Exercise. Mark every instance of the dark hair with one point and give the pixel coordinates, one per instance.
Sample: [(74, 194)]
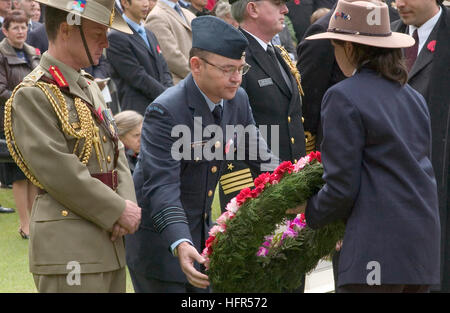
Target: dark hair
[(15, 16), (53, 19), (388, 62), (123, 8), (197, 52)]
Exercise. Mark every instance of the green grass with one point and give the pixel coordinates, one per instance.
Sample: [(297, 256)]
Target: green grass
[(14, 271)]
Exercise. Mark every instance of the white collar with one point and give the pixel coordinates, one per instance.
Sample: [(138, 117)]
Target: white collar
[(425, 30), (260, 41)]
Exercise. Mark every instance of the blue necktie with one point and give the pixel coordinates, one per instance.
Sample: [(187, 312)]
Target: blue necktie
[(178, 9), (142, 33)]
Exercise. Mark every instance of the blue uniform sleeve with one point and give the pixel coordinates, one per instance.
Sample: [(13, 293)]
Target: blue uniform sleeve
[(342, 148), (161, 176)]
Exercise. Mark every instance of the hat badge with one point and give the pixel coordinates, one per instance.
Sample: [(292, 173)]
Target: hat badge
[(342, 15), (79, 5)]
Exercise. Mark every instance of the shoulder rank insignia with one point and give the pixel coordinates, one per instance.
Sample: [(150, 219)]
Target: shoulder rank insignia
[(58, 76), (32, 78)]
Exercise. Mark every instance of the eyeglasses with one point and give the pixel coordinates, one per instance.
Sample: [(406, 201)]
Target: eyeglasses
[(230, 70), (275, 2)]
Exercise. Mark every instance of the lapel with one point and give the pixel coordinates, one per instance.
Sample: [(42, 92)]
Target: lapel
[(425, 56), (174, 14), (265, 63), (68, 73), (138, 39), (287, 70), (197, 103)]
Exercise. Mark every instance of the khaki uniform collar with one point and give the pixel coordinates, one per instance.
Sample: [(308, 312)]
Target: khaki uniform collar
[(69, 74)]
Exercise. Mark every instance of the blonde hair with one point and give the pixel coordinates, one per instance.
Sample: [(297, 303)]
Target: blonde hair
[(127, 120), (318, 14)]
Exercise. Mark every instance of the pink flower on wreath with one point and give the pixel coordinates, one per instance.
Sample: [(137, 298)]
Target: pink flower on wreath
[(227, 215), (432, 45), (301, 163), (232, 206), (262, 251), (216, 229), (289, 233)]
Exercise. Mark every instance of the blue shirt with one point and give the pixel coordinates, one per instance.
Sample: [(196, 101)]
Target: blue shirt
[(139, 28)]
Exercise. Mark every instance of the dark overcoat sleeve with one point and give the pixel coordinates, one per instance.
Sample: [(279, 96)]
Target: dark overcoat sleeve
[(161, 176), (166, 76), (342, 151)]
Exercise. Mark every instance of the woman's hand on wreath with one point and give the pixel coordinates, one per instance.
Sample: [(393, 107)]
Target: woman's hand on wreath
[(187, 254), (300, 209)]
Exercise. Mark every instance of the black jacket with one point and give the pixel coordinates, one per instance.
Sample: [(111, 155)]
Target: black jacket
[(430, 75), (140, 73)]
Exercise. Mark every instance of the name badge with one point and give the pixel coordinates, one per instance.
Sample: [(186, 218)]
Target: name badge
[(265, 82)]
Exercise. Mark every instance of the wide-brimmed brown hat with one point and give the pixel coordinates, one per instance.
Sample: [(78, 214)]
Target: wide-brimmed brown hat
[(99, 11), (364, 22)]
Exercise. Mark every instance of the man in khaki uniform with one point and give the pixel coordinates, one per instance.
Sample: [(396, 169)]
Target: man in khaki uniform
[(61, 134)]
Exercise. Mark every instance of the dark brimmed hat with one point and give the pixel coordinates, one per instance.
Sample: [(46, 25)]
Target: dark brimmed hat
[(364, 22), (99, 11), (212, 34)]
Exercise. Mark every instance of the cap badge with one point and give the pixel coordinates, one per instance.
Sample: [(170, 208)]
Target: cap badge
[(342, 15), (79, 5)]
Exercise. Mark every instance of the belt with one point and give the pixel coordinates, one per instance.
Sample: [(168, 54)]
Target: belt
[(110, 179)]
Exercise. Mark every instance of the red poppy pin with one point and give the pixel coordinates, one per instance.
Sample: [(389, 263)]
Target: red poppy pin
[(432, 45), (158, 49), (297, 2), (38, 52)]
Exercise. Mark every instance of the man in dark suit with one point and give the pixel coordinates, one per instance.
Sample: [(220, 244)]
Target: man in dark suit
[(300, 12), (38, 38), (140, 70), (27, 7), (175, 182), (272, 89), (429, 74)]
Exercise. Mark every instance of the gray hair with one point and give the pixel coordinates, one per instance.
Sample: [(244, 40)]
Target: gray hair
[(223, 9), (127, 120), (239, 9)]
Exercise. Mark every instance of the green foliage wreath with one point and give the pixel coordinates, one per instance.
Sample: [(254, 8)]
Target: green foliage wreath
[(232, 248)]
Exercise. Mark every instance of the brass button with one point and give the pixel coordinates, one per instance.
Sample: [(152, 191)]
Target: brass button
[(292, 140), (295, 161), (217, 144), (108, 159), (289, 119), (214, 169), (104, 138), (64, 213), (303, 119), (210, 193), (206, 216)]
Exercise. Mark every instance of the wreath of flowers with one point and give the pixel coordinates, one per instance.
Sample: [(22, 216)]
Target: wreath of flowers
[(255, 247)]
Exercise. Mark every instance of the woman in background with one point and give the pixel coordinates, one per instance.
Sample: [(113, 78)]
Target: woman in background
[(129, 125), (17, 60)]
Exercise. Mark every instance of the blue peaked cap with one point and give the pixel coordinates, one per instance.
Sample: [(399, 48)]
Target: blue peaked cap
[(212, 34)]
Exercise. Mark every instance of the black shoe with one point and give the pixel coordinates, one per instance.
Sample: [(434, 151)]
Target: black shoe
[(6, 210), (23, 235)]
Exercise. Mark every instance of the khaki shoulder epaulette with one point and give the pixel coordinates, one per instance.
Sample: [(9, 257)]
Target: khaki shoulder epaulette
[(32, 78)]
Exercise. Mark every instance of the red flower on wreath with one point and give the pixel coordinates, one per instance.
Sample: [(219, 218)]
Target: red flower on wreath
[(297, 2), (432, 45), (243, 196), (208, 244), (315, 156), (262, 180), (285, 166)]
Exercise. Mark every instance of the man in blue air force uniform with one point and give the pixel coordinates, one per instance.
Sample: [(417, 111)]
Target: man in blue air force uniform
[(175, 183)]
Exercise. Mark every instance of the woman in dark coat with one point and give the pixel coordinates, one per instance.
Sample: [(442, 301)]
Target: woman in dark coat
[(17, 59), (376, 157)]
